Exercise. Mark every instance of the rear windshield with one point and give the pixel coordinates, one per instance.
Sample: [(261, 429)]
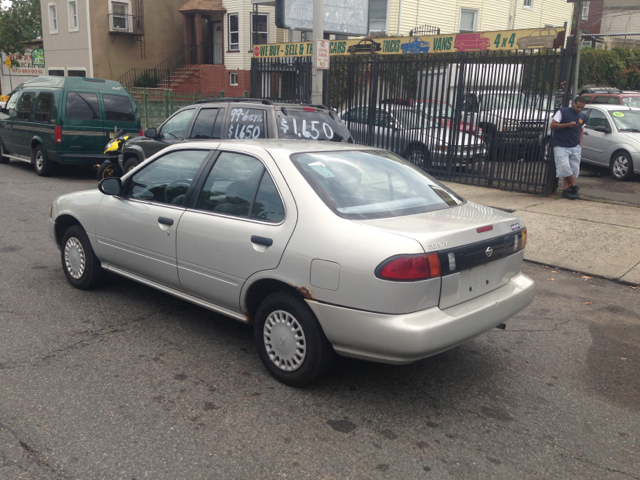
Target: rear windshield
[(118, 108), (372, 184), (309, 125)]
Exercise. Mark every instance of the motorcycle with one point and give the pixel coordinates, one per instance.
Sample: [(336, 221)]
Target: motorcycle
[(110, 167)]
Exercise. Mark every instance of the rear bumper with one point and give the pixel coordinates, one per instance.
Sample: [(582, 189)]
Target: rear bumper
[(81, 159), (402, 339)]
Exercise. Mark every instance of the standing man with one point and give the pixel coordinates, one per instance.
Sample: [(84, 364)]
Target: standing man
[(567, 126)]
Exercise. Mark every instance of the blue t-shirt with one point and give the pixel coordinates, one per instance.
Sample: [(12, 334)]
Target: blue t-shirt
[(568, 137)]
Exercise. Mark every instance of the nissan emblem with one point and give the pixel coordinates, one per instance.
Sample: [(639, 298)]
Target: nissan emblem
[(489, 251)]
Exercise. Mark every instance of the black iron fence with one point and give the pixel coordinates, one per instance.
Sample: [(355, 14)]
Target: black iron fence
[(473, 117)]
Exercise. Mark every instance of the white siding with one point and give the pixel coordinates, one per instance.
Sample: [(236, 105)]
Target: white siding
[(492, 14)]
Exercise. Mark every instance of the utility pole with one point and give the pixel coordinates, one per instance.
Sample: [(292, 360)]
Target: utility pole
[(577, 14), (318, 34)]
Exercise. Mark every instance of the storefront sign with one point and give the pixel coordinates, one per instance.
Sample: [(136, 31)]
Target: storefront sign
[(426, 44), (22, 64), (37, 57)]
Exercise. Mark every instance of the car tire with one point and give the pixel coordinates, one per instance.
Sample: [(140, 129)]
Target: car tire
[(130, 164), (373, 50), (621, 166), (352, 49), (109, 169), (418, 155), (80, 264), (41, 163), (3, 158), (301, 353)]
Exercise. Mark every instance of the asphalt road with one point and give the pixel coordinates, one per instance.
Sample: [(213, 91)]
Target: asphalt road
[(128, 383)]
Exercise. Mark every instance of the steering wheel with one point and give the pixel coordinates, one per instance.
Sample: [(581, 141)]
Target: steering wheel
[(176, 197)]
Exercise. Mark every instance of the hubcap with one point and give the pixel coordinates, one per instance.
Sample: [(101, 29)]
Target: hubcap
[(39, 160), (284, 341), (620, 166), (74, 258)]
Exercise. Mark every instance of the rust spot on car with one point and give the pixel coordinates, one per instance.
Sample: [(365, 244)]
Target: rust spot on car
[(304, 291)]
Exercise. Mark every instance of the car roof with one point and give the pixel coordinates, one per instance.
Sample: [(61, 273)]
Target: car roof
[(271, 145), (606, 106), (82, 83)]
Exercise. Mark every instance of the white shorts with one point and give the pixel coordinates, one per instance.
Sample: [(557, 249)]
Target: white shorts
[(567, 161)]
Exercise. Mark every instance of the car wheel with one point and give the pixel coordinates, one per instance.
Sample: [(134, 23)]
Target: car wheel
[(418, 155), (621, 166), (130, 164), (352, 49), (81, 266), (109, 169), (290, 341), (41, 163), (3, 158), (373, 49)]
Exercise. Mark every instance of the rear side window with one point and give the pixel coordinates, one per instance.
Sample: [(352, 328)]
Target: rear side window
[(24, 106), (204, 124), (43, 108), (82, 106), (247, 123), (118, 108), (316, 125)]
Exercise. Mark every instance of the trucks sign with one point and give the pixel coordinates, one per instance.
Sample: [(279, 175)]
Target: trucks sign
[(460, 42)]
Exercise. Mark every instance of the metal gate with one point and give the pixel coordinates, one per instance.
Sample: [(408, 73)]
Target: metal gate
[(469, 117)]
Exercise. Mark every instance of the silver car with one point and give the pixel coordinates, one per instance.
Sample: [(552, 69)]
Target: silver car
[(612, 139), (324, 247), (410, 132)]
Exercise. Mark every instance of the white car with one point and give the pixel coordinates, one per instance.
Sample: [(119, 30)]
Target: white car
[(324, 247)]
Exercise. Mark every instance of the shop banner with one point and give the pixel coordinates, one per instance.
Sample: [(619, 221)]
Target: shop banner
[(457, 42), (22, 64)]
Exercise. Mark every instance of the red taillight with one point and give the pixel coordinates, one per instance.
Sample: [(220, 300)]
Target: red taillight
[(141, 133), (488, 228), (410, 267), (57, 134), (309, 109)]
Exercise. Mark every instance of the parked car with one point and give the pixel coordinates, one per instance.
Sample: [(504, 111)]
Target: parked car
[(508, 119), (628, 98), (413, 135), (417, 45), (234, 118), (365, 46), (543, 38), (324, 247), (51, 121), (612, 139), (441, 111), (471, 41)]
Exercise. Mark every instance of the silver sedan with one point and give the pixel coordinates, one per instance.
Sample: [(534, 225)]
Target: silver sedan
[(612, 139), (325, 248)]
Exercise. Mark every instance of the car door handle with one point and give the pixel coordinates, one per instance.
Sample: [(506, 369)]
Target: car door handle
[(267, 242), (165, 221)]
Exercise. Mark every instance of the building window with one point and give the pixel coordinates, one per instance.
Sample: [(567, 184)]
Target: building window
[(585, 10), (468, 20), (377, 16), (53, 18), (528, 4), (56, 72), (73, 15), (259, 29), (234, 34), (76, 73), (120, 16), (233, 79)]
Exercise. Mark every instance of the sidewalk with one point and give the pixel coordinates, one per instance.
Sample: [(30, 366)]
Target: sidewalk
[(590, 237)]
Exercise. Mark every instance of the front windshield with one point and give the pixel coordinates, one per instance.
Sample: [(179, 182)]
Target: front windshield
[(631, 101), (372, 184), (627, 120), (504, 101)]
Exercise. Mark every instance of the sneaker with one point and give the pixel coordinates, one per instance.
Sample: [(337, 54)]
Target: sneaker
[(568, 193), (575, 189)]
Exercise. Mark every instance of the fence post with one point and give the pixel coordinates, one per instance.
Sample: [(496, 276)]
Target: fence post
[(221, 93), (195, 96), (170, 102), (146, 108), (246, 94), (166, 103)]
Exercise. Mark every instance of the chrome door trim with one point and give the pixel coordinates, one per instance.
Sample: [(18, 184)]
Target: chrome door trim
[(18, 157), (176, 293)]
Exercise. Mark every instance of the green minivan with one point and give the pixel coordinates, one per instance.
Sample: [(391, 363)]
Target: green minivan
[(64, 120)]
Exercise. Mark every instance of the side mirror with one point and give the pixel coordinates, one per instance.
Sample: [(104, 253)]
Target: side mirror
[(151, 133), (602, 129), (110, 186)]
